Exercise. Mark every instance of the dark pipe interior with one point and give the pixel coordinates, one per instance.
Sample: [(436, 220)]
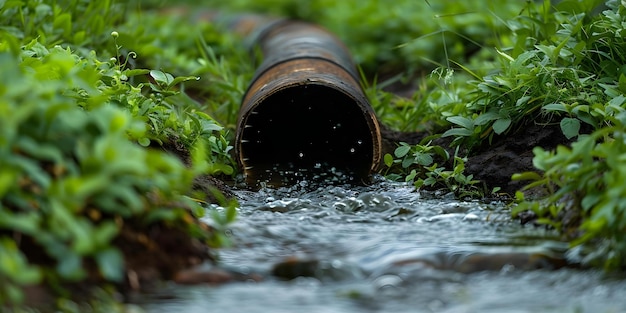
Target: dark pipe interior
[(307, 131)]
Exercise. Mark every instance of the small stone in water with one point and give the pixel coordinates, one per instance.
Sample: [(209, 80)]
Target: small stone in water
[(294, 267), (470, 217)]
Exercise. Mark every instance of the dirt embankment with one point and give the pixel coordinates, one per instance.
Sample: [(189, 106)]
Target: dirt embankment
[(494, 163)]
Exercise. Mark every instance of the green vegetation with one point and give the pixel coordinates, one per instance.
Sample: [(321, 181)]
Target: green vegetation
[(416, 164), (81, 149), (97, 98), (486, 71)]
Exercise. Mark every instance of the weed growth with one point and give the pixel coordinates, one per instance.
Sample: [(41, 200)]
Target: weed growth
[(416, 164), (584, 180), (79, 147)]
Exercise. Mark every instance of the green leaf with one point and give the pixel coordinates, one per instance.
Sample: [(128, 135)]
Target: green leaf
[(589, 201), (161, 214), (570, 127), (526, 176), (231, 213), (501, 125), (486, 118), (424, 159), (388, 159), (144, 142), (621, 118), (7, 182), (554, 107), (70, 267), (461, 132), (617, 101), (523, 100), (181, 79), (441, 152), (14, 264), (418, 183), (104, 233), (136, 72), (111, 264), (430, 181), (461, 121), (407, 162), (162, 77), (411, 176), (402, 150), (394, 177), (64, 22), (622, 83), (27, 222)]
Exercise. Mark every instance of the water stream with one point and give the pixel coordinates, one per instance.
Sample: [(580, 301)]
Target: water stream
[(387, 248)]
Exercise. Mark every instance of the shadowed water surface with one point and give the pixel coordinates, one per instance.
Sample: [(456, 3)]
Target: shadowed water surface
[(387, 248)]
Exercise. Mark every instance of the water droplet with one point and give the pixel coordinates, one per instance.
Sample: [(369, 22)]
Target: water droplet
[(301, 155), (360, 142), (352, 150)]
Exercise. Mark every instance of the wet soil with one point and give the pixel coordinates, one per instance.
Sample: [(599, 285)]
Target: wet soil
[(493, 163)]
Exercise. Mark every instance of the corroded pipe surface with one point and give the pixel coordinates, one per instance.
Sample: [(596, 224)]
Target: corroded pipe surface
[(304, 114)]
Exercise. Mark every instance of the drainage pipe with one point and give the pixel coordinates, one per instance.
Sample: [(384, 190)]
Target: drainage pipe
[(304, 114)]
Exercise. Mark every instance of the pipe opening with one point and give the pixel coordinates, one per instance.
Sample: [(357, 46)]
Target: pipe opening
[(311, 132)]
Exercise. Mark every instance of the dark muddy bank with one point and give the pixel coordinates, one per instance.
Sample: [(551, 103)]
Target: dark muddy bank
[(495, 163)]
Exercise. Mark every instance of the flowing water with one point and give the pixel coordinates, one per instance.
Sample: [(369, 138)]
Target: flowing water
[(388, 248)]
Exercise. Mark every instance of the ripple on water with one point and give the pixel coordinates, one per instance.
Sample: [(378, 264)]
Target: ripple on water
[(387, 248)]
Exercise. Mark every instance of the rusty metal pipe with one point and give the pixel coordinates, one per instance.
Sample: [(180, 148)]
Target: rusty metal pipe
[(305, 114)]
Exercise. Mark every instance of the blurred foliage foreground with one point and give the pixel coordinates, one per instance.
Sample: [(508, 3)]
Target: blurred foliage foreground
[(93, 100), (87, 192)]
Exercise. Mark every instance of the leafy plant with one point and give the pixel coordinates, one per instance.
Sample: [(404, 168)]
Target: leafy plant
[(550, 72), (585, 179), (77, 147), (416, 164), (196, 46)]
